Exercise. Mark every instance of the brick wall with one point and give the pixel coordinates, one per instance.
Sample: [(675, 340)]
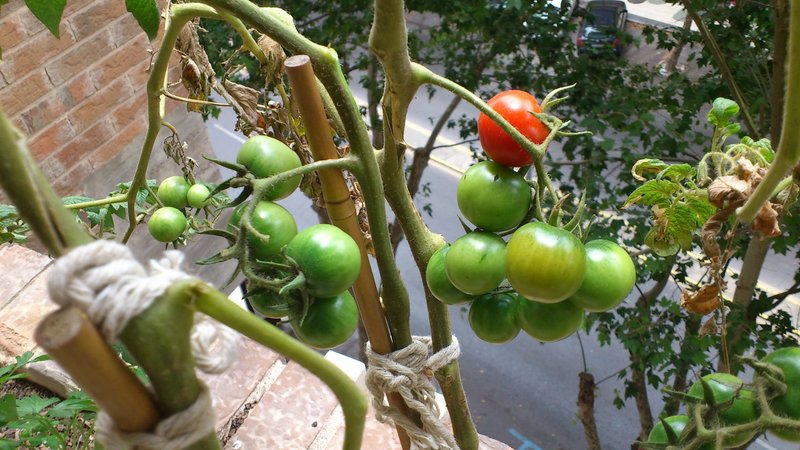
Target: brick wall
[(81, 101)]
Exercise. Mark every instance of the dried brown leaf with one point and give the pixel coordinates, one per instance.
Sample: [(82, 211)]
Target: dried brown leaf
[(728, 189), (709, 327), (272, 68), (702, 302), (245, 101), (196, 71), (766, 221)]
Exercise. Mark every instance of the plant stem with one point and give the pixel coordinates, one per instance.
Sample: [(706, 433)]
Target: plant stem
[(99, 202), (354, 405)]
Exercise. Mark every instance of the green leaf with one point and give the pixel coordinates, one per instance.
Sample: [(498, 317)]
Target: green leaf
[(146, 13), (764, 148), (8, 409), (74, 199), (6, 444), (34, 404), (77, 402), (722, 111), (647, 166), (8, 211), (654, 192), (677, 172), (48, 12), (700, 207)]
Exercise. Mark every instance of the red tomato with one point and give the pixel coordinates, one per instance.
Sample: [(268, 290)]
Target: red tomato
[(515, 107)]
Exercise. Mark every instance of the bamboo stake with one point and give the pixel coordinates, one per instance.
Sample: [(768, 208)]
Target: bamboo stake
[(341, 210), (74, 343)]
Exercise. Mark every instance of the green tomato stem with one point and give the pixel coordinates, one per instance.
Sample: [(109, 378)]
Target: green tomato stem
[(354, 404), (99, 202)]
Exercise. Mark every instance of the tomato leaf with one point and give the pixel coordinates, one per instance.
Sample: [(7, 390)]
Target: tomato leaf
[(677, 172), (8, 409), (653, 192), (722, 111), (146, 14), (48, 12), (647, 166), (33, 404)]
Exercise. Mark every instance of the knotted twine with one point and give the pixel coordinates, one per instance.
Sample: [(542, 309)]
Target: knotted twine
[(408, 372), (106, 281)]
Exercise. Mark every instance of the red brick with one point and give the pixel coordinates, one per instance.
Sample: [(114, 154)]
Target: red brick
[(99, 104), (116, 145), (69, 183), (43, 113), (85, 144), (11, 32), (124, 30), (139, 74), (120, 61), (35, 52), (51, 139), (133, 109), (10, 8), (78, 89), (19, 95), (78, 58), (85, 22), (20, 265)]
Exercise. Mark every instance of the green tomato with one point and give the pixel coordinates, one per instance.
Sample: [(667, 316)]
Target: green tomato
[(658, 435), (493, 317), (439, 284), (271, 305), (264, 157), (329, 259), (270, 219), (198, 195), (544, 263), (166, 224), (493, 197), (610, 276), (475, 262), (724, 387), (330, 321), (549, 322), (788, 404), (173, 191)]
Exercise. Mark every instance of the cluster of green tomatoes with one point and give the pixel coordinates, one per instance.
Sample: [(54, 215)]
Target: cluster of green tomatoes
[(302, 277), (734, 403)]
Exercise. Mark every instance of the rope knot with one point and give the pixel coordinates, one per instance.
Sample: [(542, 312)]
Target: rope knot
[(409, 372)]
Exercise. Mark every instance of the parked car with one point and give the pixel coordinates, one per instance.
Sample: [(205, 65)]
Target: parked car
[(602, 27)]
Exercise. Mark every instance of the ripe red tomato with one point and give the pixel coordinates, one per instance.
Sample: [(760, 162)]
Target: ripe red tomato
[(475, 262), (166, 224), (493, 317), (788, 404), (270, 219), (610, 276), (549, 322), (544, 263), (173, 191), (265, 156), (328, 257), (330, 321), (493, 197), (439, 284), (515, 107)]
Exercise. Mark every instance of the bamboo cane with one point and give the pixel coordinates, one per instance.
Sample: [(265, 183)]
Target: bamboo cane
[(341, 210), (74, 343)]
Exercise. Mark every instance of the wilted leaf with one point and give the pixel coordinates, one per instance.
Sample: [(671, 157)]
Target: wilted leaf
[(273, 67), (245, 101), (647, 166), (196, 72), (702, 302), (726, 190), (709, 327), (766, 221), (677, 172)]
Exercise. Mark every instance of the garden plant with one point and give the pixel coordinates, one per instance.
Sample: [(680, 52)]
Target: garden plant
[(530, 258)]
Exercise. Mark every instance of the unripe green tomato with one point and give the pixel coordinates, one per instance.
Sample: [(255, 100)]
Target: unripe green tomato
[(493, 317), (549, 322), (271, 305), (658, 435), (788, 404), (264, 157), (493, 197), (610, 276), (439, 284), (475, 262), (197, 195), (270, 219), (166, 224), (329, 259), (330, 321), (743, 409), (173, 191)]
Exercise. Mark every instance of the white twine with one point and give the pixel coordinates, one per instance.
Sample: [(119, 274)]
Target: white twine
[(408, 372), (106, 281), (174, 432)]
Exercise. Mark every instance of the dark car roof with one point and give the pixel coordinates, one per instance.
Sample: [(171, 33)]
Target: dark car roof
[(606, 4)]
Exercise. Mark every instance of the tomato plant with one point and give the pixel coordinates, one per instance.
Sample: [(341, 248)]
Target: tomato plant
[(788, 404), (173, 191), (610, 276), (475, 262), (514, 106), (329, 322), (167, 224), (197, 195), (493, 317), (545, 263), (441, 287), (271, 305), (265, 156), (725, 388), (269, 219), (493, 197), (329, 259), (658, 435), (549, 322)]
